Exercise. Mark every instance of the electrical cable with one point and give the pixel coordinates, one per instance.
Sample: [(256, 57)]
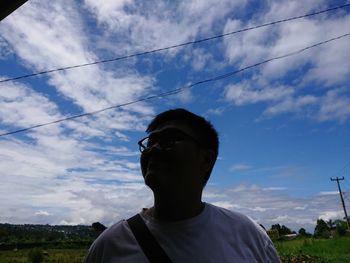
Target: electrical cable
[(342, 170), (175, 91), (346, 183), (175, 46)]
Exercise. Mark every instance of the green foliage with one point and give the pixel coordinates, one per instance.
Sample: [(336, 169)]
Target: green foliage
[(331, 224), (282, 230), (276, 227), (285, 230), (24, 234), (35, 256), (336, 250), (341, 227), (51, 255), (322, 230), (302, 231), (98, 227)]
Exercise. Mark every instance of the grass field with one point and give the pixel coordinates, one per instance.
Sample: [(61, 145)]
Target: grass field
[(309, 250), (336, 250), (53, 256)]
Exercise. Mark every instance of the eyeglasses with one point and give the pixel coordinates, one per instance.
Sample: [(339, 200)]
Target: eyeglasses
[(165, 139)]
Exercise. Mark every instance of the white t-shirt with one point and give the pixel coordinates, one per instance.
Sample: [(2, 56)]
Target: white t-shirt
[(215, 235)]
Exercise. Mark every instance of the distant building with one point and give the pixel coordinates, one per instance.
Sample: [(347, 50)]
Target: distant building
[(290, 236)]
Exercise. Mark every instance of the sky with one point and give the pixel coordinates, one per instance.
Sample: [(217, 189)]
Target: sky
[(283, 125)]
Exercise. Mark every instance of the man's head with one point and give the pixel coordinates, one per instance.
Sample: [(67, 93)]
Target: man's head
[(181, 149)]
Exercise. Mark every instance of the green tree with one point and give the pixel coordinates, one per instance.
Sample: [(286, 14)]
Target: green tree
[(321, 229), (340, 227), (331, 224), (276, 227), (282, 230), (302, 231), (285, 230)]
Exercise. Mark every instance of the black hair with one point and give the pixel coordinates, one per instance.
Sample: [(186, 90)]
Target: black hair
[(203, 129)]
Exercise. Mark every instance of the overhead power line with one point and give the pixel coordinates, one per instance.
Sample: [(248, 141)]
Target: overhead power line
[(177, 45), (348, 185), (175, 91), (343, 169)]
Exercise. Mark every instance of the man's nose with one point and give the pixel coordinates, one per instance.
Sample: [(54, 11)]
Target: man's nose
[(156, 145), (153, 147)]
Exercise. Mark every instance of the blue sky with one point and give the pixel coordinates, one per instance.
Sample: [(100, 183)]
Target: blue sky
[(284, 126)]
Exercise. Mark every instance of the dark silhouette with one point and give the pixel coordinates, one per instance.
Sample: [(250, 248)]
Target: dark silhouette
[(98, 227), (322, 230), (177, 158)]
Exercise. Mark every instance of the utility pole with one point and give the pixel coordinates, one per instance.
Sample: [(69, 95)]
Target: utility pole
[(342, 200)]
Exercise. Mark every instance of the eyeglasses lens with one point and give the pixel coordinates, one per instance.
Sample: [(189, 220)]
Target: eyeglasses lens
[(164, 139)]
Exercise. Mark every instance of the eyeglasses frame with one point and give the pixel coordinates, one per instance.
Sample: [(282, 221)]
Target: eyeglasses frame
[(142, 148)]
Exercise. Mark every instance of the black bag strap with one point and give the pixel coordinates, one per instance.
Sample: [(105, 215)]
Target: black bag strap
[(149, 245)]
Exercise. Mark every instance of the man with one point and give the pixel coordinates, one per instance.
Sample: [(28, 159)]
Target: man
[(177, 158)]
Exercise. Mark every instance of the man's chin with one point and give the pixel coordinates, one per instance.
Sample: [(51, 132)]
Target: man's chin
[(151, 176), (155, 179)]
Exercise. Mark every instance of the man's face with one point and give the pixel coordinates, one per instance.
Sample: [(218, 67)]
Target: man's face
[(172, 160)]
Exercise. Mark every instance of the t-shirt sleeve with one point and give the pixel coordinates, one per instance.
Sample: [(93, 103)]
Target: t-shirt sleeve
[(115, 244), (95, 252), (271, 253)]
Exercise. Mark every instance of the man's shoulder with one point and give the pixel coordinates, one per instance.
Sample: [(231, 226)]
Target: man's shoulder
[(121, 228), (244, 228), (237, 219), (115, 244), (229, 214)]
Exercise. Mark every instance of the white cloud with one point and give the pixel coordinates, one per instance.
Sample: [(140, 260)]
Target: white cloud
[(247, 48), (325, 66), (260, 209), (5, 49), (64, 42), (335, 106), (121, 136), (216, 111), (22, 107), (87, 170), (274, 188), (242, 94), (292, 104), (42, 213), (268, 206), (71, 200), (329, 193), (200, 58), (185, 96), (327, 215), (226, 204), (301, 207), (44, 175), (134, 26), (240, 167)]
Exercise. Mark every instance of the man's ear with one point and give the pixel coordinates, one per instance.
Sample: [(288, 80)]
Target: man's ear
[(208, 160)]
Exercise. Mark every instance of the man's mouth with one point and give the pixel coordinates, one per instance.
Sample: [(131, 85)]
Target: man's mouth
[(155, 161), (155, 164)]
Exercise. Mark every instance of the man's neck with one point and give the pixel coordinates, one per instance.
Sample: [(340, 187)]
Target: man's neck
[(176, 209)]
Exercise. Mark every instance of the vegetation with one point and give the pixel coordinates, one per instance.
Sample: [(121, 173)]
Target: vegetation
[(322, 229), (335, 250), (50, 255), (36, 255), (282, 230), (14, 234), (68, 244)]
